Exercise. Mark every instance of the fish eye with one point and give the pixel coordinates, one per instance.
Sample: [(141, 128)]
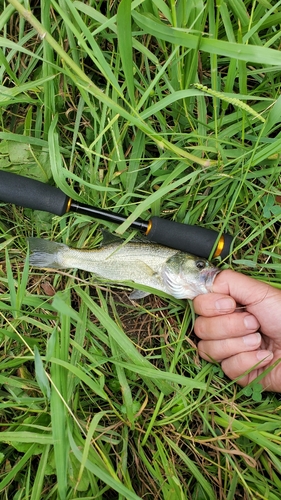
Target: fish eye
[(200, 264)]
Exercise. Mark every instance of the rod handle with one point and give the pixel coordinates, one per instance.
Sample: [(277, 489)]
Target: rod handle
[(29, 193), (192, 239)]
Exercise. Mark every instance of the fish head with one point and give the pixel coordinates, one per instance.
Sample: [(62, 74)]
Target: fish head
[(185, 276)]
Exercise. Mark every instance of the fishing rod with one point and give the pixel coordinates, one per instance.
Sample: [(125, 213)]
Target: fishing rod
[(30, 193)]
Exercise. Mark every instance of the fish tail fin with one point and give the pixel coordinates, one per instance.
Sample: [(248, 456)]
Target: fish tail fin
[(44, 253)]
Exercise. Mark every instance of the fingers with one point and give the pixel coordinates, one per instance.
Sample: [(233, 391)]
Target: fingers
[(238, 357), (260, 299), (230, 334), (231, 289), (236, 324), (214, 304), (252, 362), (218, 350)]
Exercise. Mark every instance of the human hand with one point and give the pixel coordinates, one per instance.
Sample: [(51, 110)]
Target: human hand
[(241, 338)]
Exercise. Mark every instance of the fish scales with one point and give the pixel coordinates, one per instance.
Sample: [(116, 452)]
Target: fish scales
[(131, 262), (165, 269)]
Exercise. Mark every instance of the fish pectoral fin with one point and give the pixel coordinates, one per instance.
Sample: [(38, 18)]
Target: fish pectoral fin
[(148, 277), (138, 269), (146, 269)]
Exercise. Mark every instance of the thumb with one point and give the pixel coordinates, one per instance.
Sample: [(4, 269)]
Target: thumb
[(260, 299), (245, 290)]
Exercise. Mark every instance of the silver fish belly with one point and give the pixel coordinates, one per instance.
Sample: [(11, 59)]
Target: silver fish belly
[(165, 269)]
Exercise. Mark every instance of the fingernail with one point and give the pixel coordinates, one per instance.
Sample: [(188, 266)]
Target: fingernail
[(226, 304), (252, 340), (250, 322), (264, 355)]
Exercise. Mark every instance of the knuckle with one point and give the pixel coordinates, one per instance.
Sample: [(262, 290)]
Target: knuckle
[(199, 326)]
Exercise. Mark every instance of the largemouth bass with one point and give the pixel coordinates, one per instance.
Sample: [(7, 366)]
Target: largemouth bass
[(179, 274)]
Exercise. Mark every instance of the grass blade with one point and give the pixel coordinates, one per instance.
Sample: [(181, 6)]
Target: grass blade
[(124, 33), (212, 46)]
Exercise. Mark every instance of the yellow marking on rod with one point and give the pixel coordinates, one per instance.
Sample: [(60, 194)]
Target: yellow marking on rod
[(219, 247)]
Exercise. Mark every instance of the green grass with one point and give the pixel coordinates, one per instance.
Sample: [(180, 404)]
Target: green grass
[(149, 108)]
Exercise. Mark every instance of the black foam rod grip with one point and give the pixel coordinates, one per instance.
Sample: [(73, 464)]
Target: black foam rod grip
[(29, 193), (192, 239)]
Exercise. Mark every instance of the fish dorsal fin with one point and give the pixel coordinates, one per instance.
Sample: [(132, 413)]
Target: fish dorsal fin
[(109, 238)]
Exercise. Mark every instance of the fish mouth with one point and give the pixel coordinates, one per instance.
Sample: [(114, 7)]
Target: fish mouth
[(208, 275)]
